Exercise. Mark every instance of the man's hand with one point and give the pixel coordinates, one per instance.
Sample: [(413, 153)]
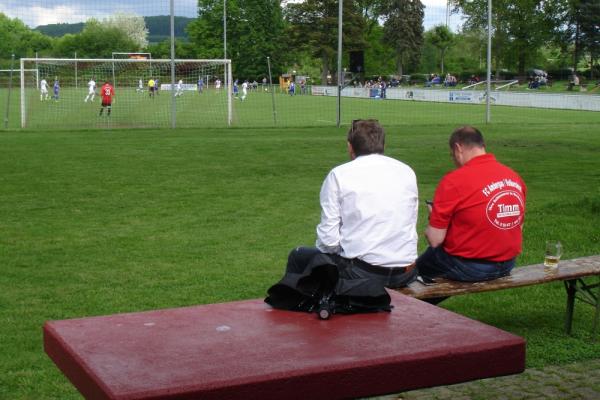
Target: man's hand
[(429, 206)]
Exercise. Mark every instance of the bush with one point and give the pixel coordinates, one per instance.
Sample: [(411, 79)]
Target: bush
[(592, 73), (418, 78), (466, 75), (504, 74), (560, 74)]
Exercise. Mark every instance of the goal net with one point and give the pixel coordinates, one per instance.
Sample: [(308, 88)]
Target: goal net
[(65, 93), (10, 84)]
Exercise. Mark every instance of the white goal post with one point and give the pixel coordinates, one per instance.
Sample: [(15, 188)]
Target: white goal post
[(195, 98)]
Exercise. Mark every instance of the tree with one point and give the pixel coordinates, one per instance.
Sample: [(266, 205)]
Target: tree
[(403, 30), (371, 11), (590, 30), (579, 31), (95, 41), (254, 31), (441, 38), (380, 57), (16, 38), (313, 27), (206, 32), (133, 26), (261, 34), (163, 49), (520, 27)]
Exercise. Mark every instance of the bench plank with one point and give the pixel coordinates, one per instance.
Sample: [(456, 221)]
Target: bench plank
[(247, 350), (521, 276)]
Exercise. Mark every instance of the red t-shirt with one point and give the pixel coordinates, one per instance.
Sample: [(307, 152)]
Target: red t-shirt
[(482, 206), (107, 93)]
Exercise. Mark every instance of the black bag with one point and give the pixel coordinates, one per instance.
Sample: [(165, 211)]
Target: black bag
[(322, 288)]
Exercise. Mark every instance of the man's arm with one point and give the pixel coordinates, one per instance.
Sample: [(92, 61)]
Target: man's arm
[(328, 230), (435, 236)]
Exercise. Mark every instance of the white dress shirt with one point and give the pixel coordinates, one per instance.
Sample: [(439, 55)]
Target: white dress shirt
[(369, 211)]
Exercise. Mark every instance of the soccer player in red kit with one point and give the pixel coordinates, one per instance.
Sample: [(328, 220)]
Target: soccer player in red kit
[(107, 92)]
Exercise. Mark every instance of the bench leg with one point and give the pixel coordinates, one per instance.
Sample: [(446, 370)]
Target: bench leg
[(571, 287), (578, 289)]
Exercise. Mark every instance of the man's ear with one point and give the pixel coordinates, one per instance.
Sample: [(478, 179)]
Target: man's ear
[(351, 152)]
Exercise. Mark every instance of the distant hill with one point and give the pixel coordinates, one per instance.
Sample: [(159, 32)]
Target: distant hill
[(57, 30), (159, 28)]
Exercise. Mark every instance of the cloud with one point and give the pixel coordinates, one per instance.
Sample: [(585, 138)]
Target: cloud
[(42, 12), (38, 12), (434, 3)]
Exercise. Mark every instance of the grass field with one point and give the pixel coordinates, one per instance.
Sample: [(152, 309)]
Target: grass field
[(96, 222), (209, 110)]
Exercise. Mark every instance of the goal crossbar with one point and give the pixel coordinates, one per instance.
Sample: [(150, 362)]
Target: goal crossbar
[(131, 60)]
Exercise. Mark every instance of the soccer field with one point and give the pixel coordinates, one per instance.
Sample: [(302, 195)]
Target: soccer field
[(209, 109), (101, 222)]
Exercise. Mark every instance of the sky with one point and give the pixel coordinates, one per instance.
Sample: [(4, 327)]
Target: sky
[(42, 12)]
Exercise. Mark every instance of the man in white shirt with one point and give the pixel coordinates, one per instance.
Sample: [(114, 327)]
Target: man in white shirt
[(44, 90), (91, 90), (367, 231), (244, 90), (179, 91)]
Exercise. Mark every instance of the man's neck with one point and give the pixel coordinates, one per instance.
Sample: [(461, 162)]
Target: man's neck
[(472, 153)]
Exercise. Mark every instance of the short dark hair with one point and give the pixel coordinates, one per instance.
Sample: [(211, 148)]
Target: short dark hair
[(468, 136), (366, 137)]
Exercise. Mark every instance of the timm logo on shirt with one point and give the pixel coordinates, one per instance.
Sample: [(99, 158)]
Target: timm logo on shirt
[(505, 209)]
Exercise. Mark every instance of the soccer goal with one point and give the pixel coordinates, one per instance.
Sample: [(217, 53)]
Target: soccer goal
[(144, 96)]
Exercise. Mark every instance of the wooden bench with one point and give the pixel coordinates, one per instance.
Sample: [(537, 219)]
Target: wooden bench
[(571, 272)]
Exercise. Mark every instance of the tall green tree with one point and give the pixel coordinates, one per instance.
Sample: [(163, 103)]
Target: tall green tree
[(371, 12), (520, 28), (590, 30), (442, 39), (16, 38), (206, 32), (577, 28), (403, 30), (380, 58), (254, 31), (313, 27)]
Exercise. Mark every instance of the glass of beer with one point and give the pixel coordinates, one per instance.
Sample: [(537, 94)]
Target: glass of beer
[(553, 253)]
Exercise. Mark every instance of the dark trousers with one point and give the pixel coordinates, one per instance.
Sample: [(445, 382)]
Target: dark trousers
[(351, 269), (436, 262)]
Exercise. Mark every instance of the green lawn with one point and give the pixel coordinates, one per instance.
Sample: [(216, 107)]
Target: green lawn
[(209, 110), (96, 222)]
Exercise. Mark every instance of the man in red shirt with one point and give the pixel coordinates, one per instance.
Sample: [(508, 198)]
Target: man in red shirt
[(107, 92), (476, 220)]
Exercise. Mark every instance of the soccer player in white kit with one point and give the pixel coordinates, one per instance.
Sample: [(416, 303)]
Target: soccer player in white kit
[(140, 88), (91, 90), (44, 90), (244, 90), (218, 84), (179, 91)]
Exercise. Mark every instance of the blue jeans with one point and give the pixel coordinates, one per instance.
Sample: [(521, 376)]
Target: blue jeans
[(436, 262)]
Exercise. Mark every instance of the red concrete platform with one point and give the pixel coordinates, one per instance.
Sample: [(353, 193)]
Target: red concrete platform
[(246, 350)]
